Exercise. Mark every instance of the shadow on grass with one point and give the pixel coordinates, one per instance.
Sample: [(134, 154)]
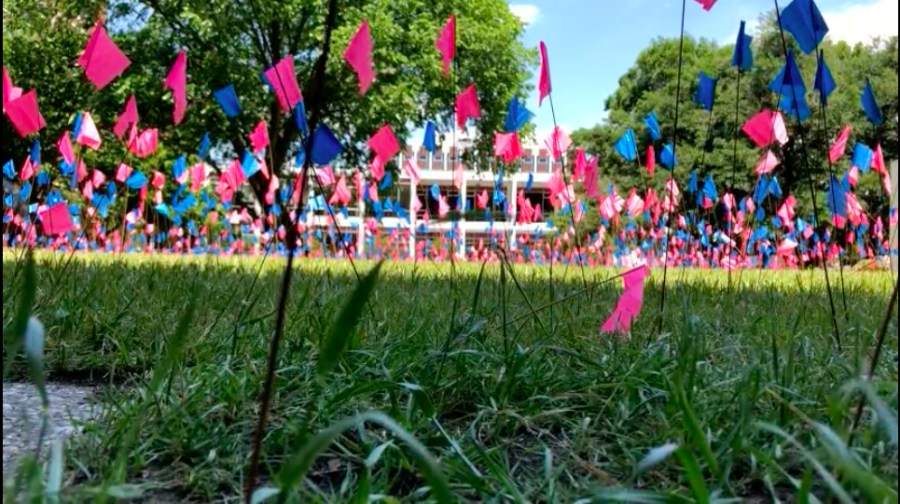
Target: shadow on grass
[(543, 387)]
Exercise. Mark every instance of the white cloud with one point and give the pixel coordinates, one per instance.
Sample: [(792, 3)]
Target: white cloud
[(862, 23), (526, 12)]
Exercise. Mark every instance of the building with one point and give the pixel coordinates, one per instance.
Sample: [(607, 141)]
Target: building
[(438, 169)]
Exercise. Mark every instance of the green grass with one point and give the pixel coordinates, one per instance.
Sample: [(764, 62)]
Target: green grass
[(742, 396)]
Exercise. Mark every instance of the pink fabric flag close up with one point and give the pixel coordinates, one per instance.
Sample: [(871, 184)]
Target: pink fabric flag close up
[(544, 85), (128, 118), (177, 82), (56, 220), (89, 136), (259, 138), (630, 304), (65, 148), (840, 145), (706, 4), (384, 144), (284, 81), (766, 128), (25, 115), (446, 44), (102, 59), (359, 56), (467, 106)]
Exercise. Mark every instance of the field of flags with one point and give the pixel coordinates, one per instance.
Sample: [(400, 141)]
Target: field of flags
[(53, 200)]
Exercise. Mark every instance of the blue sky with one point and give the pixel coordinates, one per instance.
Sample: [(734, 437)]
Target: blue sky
[(591, 43)]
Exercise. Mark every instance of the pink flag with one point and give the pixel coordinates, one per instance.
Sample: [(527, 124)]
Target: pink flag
[(325, 176), (259, 138), (80, 171), (706, 4), (384, 144), (158, 180), (506, 146), (359, 56), (377, 169), (89, 136), (458, 177), (878, 161), (128, 118), (651, 161), (634, 204), (25, 115), (481, 200), (10, 92), (274, 185), (853, 176), (144, 144), (283, 80), (341, 193), (630, 304), (443, 207), (558, 142), (122, 173), (767, 164), (580, 165), (411, 171), (102, 59), (27, 170), (56, 220), (840, 145), (544, 86), (65, 148), (467, 106), (198, 175), (97, 178), (177, 82), (766, 128), (446, 44)]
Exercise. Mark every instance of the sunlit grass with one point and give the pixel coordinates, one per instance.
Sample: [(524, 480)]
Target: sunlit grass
[(543, 408)]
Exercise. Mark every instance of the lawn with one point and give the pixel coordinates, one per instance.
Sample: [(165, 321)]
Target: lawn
[(485, 382)]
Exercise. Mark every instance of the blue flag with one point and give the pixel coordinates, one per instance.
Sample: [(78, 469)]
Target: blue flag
[(428, 142), (762, 190), (36, 153), (386, 182), (799, 110), (300, 119), (804, 21), (743, 54), (435, 192), (789, 82), (870, 105), (836, 199), (862, 157), (325, 147), (204, 147), (668, 158), (652, 126), (529, 182), (179, 166), (626, 146), (228, 101), (9, 170), (775, 188), (136, 180), (692, 185), (249, 165), (517, 116), (825, 84), (706, 92), (709, 189)]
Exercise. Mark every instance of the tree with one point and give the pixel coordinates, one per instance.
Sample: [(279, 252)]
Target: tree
[(705, 143), (230, 41)]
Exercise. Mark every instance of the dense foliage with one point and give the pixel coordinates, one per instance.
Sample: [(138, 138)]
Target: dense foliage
[(233, 42)]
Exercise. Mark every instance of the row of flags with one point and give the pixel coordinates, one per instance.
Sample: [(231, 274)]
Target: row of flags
[(709, 228)]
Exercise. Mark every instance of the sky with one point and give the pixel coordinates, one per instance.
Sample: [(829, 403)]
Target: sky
[(592, 43)]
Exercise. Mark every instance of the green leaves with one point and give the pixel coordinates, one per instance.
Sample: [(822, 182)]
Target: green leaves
[(295, 470), (343, 327)]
